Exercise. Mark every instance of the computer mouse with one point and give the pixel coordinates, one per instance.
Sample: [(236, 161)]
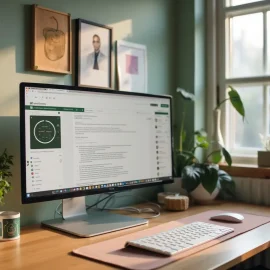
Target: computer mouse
[(228, 217)]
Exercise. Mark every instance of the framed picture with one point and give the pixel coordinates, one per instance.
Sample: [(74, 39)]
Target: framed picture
[(132, 66), (51, 40), (94, 54)]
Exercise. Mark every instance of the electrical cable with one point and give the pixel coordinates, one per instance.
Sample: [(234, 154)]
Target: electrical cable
[(56, 210), (127, 208), (141, 198), (104, 206), (137, 210), (99, 201), (134, 209)]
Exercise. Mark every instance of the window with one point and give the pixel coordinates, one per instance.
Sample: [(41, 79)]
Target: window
[(243, 61)]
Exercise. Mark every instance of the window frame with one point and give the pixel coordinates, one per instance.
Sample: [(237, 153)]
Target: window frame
[(218, 32)]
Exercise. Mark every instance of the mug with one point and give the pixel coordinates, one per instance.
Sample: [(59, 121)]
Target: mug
[(9, 225)]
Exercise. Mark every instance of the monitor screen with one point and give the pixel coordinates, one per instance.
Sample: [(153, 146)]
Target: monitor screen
[(77, 142)]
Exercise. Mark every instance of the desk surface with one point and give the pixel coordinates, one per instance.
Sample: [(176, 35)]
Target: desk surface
[(41, 248)]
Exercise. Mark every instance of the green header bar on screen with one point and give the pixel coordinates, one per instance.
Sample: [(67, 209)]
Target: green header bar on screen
[(52, 108)]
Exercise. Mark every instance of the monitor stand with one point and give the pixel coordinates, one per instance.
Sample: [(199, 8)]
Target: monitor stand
[(76, 221)]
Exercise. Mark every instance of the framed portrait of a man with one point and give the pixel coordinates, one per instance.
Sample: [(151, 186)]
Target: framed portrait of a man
[(94, 54)]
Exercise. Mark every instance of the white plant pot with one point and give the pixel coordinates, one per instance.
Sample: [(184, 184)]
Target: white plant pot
[(175, 187), (203, 196)]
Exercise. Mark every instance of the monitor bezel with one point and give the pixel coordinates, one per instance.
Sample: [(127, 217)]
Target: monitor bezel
[(24, 198)]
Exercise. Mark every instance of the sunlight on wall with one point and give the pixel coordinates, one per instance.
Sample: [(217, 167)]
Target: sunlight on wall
[(8, 61), (9, 104), (122, 30), (4, 52), (8, 100)]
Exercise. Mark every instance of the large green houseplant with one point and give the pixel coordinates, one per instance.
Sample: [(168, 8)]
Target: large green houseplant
[(205, 174), (6, 161)]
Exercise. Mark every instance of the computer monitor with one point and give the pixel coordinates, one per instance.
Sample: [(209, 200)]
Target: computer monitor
[(83, 141)]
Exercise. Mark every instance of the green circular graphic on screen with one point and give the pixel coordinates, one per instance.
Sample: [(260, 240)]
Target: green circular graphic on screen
[(44, 131)]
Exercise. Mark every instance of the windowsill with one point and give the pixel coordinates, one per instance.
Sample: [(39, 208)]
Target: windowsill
[(251, 171)]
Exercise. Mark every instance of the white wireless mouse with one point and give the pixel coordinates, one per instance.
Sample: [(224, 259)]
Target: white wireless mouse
[(228, 217)]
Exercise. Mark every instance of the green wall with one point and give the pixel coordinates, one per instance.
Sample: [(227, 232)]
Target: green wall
[(148, 22)]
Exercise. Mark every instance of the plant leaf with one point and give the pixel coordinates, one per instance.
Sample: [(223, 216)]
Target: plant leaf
[(203, 144), (183, 159), (210, 178), (237, 102), (185, 94), (223, 176), (191, 176), (227, 156), (216, 156), (201, 139), (227, 185)]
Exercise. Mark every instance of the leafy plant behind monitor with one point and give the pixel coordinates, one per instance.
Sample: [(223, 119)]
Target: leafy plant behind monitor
[(193, 171)]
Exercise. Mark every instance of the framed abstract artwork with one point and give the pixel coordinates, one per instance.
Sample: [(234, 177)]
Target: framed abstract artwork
[(51, 40), (132, 66), (93, 54)]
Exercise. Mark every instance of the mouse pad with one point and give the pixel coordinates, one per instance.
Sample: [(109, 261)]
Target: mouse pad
[(114, 252)]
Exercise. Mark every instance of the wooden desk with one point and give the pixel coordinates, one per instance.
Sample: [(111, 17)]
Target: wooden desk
[(40, 248)]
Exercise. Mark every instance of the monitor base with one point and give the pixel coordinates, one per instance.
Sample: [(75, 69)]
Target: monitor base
[(95, 223)]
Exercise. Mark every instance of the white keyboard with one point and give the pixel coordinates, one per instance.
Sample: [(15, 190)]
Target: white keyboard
[(180, 238)]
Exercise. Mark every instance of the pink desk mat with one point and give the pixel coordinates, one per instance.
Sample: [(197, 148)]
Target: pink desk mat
[(114, 252)]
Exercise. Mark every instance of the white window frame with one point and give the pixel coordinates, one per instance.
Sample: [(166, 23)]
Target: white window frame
[(217, 18)]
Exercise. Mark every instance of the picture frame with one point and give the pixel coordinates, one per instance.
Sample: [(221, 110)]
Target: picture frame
[(132, 66), (93, 54), (52, 49)]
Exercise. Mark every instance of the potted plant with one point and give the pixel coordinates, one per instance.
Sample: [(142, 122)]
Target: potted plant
[(203, 180), (6, 161), (264, 156), (195, 173)]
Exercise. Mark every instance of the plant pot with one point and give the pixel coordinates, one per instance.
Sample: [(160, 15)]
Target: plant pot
[(202, 196), (175, 187), (263, 159)]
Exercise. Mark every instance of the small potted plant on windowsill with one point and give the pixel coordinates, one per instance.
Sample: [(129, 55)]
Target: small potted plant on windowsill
[(6, 161), (264, 156)]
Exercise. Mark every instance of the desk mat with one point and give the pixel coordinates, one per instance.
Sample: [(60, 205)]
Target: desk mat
[(113, 251)]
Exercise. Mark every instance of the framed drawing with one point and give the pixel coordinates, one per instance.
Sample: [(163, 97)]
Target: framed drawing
[(51, 40), (94, 54), (132, 66)]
